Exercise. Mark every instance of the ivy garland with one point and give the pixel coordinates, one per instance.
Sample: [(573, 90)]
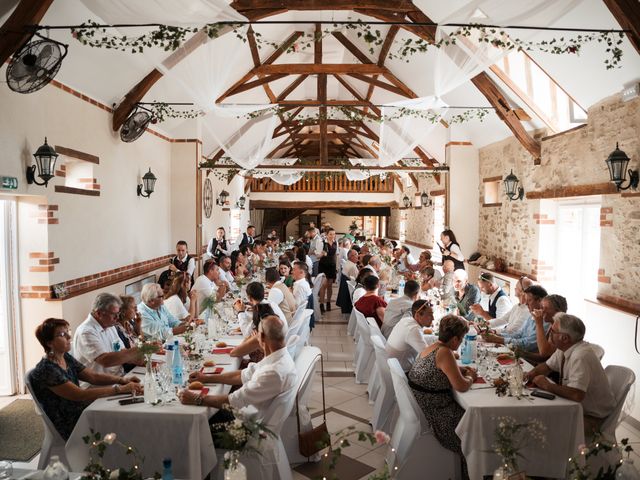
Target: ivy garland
[(170, 38), (162, 111)]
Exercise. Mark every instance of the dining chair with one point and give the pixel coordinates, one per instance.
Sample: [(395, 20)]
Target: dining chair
[(53, 443), (384, 408), (414, 451), (620, 380)]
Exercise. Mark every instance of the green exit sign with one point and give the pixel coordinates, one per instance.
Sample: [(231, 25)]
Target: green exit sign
[(10, 183)]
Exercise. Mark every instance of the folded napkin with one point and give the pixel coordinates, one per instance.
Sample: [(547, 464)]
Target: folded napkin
[(222, 351), (211, 370), (506, 361), (480, 380)]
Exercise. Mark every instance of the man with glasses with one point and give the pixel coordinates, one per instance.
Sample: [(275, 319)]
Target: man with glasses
[(582, 378), (96, 343)]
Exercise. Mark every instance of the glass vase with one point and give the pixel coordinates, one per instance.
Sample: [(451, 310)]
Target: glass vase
[(516, 377), (233, 468), (150, 383)]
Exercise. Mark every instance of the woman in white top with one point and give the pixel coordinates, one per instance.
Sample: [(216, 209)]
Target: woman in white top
[(181, 304), (301, 286), (450, 249)]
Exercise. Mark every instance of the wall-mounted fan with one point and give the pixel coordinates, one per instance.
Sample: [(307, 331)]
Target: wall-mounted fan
[(35, 64), (135, 124)]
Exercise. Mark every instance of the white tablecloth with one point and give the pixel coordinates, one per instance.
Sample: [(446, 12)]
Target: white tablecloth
[(176, 431), (562, 419)]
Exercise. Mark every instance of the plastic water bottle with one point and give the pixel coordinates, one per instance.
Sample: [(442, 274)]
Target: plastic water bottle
[(168, 356), (176, 365), (470, 347), (167, 473), (401, 287)]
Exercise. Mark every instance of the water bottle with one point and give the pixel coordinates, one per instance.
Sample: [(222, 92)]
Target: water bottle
[(176, 365), (469, 347), (168, 356), (401, 287), (167, 473)]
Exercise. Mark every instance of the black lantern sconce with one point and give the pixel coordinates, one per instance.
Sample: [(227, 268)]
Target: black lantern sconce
[(511, 188), (617, 163), (222, 198), (406, 201), (148, 184), (240, 203), (46, 157), (425, 200)]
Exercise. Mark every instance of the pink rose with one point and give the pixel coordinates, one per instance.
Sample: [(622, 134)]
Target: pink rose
[(381, 437)]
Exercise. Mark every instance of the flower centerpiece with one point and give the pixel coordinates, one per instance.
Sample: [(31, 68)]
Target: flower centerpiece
[(240, 436), (579, 468), (510, 437), (95, 470), (345, 438)]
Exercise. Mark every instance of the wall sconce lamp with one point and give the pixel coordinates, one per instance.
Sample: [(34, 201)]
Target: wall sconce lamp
[(46, 157), (617, 163), (406, 201), (425, 200), (148, 184), (222, 198), (511, 187), (240, 203)]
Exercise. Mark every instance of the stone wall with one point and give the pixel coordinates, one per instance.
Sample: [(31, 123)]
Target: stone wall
[(572, 164)]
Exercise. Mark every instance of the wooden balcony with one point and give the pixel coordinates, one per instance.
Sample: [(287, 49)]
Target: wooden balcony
[(316, 182)]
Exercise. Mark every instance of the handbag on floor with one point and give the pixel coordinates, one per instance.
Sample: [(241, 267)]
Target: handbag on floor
[(317, 438)]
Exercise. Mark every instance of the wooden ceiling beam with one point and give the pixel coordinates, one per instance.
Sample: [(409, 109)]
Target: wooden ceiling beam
[(373, 81), (292, 86), (388, 5), (349, 45), (627, 13), (15, 31), (314, 69), (284, 46), (306, 205)]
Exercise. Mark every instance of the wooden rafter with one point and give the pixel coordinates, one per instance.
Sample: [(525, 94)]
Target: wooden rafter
[(627, 13), (292, 86), (247, 7), (15, 32)]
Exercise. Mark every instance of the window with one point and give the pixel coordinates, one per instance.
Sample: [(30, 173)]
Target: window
[(491, 192)]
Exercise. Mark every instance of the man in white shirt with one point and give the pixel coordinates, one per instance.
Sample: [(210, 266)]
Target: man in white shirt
[(255, 294), (226, 276), (301, 288), (407, 339), (316, 247), (245, 238), (514, 318), (375, 265), (399, 307), (279, 294), (350, 267), (209, 283), (499, 302), (582, 378), (96, 343), (260, 383)]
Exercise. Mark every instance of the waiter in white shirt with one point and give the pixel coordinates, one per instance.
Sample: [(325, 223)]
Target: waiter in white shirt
[(260, 383), (407, 338), (316, 248)]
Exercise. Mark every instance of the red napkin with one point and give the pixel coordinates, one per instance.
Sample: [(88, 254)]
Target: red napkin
[(480, 380), (161, 352), (506, 361), (215, 372), (221, 351), (204, 390)]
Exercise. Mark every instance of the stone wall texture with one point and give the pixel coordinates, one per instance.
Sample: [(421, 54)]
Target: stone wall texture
[(572, 163)]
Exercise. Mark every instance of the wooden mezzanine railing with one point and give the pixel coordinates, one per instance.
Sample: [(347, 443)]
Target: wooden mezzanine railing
[(316, 182)]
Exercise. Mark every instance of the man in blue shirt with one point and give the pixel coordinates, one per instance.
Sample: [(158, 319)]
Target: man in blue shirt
[(525, 337)]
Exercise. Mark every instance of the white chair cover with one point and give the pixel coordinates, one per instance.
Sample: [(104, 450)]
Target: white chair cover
[(302, 335), (317, 283), (413, 446), (351, 327), (306, 365), (598, 350), (384, 409), (374, 377), (53, 443), (364, 350), (620, 380)]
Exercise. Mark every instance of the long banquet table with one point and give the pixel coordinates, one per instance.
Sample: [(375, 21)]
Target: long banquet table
[(172, 430), (562, 419)]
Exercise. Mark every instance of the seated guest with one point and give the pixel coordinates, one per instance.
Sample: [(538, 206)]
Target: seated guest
[(359, 290), (258, 252), (260, 383), (513, 320), (55, 379), (129, 324), (218, 245), (183, 262), (179, 303), (209, 283), (434, 376), (280, 294), (238, 264), (165, 280), (407, 339), (157, 322), (465, 294), (399, 307), (499, 303), (525, 338), (96, 343), (255, 295), (424, 261), (364, 258), (370, 304), (302, 286), (375, 265), (350, 267), (430, 278), (284, 268), (405, 260), (290, 254), (226, 276), (250, 345), (550, 305), (582, 378), (446, 284)]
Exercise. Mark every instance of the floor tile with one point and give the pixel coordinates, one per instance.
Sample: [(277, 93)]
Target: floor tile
[(357, 406), (352, 387), (340, 356)]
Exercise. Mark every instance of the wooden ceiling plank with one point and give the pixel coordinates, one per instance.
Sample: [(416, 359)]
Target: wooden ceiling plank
[(14, 33), (349, 45), (314, 69), (386, 5)]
